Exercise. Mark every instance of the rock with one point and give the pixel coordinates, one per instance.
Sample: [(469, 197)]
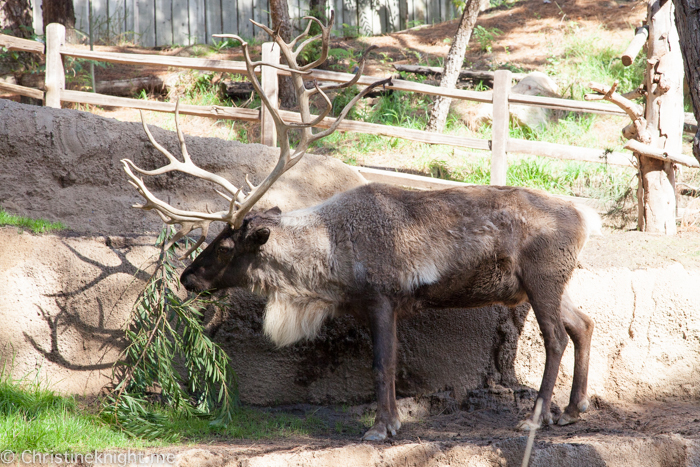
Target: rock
[(534, 84)]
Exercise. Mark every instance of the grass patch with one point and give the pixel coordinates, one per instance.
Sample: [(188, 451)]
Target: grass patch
[(572, 178), (35, 418), (246, 423), (37, 226), (589, 57)]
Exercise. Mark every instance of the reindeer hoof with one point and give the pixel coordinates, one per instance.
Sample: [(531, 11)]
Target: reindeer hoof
[(583, 405), (380, 431), (529, 424), (375, 434), (567, 419)]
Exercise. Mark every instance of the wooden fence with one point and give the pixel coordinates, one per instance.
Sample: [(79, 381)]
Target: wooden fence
[(185, 22), (500, 97)]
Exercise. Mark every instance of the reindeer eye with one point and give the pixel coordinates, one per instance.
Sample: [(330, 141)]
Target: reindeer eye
[(223, 249)]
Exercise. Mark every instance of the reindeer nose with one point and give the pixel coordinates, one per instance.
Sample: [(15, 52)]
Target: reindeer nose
[(188, 280)]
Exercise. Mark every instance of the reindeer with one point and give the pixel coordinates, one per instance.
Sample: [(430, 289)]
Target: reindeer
[(380, 252)]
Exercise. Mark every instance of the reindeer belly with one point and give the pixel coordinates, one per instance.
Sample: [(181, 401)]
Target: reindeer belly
[(491, 282)]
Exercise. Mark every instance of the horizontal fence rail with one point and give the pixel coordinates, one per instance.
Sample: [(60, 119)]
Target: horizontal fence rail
[(505, 144)]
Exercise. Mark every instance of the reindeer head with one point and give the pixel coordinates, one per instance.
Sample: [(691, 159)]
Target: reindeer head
[(236, 240)]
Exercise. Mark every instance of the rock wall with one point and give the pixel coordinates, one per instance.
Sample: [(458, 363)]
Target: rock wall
[(65, 297)]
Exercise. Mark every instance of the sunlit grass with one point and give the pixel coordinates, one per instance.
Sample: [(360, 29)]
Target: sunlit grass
[(34, 225), (35, 418), (587, 57)]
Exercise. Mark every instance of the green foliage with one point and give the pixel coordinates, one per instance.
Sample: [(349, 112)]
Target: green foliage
[(225, 43), (246, 423), (350, 32), (35, 418), (399, 108), (563, 177), (343, 59), (37, 226), (587, 57), (310, 53), (78, 71), (485, 37), (169, 356)]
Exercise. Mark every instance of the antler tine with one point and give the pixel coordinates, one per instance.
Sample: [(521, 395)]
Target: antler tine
[(180, 135), (356, 78), (173, 160), (250, 184), (174, 213), (274, 34), (346, 109), (302, 35), (325, 42), (186, 228), (319, 119)]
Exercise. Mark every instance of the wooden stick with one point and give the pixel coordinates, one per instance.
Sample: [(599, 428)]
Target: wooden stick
[(640, 38), (211, 111), (420, 182), (397, 132), (558, 151), (658, 153), (21, 45), (634, 111), (574, 153), (499, 130), (268, 80), (463, 74), (55, 80), (321, 75), (227, 66), (21, 90)]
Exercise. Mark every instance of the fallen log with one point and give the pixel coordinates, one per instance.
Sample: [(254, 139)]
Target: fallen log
[(463, 74), (130, 87)]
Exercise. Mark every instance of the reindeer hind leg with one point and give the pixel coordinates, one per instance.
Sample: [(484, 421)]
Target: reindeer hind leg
[(580, 329), (546, 303)]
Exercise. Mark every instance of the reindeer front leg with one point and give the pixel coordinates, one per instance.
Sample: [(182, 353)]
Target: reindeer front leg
[(382, 322)]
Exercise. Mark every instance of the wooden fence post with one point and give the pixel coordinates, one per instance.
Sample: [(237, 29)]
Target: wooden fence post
[(55, 80), (499, 130), (268, 80)]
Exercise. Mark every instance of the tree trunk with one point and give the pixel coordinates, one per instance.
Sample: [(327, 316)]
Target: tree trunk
[(317, 9), (279, 15), (453, 65), (664, 115), (688, 24), (16, 17), (16, 20), (62, 12)]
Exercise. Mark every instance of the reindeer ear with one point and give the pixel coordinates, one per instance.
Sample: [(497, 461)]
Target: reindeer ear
[(275, 211), (260, 236)]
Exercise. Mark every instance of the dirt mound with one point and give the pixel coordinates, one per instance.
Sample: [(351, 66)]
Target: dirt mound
[(64, 165)]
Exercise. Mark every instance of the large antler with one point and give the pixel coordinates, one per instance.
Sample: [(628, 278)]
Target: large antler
[(240, 203)]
